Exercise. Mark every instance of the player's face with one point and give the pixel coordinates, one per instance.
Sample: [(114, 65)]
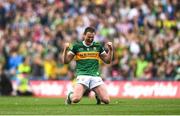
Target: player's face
[(89, 37)]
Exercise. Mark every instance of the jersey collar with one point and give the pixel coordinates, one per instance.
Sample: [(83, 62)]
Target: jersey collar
[(86, 44)]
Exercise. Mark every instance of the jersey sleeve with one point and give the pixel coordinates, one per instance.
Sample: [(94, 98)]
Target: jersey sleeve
[(102, 49)]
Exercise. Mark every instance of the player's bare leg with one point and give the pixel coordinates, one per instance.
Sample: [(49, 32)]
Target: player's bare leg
[(102, 93), (77, 94)]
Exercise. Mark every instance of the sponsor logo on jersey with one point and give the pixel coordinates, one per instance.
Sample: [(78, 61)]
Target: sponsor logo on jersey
[(87, 55)]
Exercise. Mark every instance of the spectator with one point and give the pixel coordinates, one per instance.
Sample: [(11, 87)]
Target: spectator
[(150, 29), (5, 83)]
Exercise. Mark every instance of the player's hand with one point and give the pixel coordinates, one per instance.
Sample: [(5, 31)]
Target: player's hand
[(66, 45), (109, 45)]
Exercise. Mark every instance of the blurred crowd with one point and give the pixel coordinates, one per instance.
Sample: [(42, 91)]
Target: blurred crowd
[(145, 35)]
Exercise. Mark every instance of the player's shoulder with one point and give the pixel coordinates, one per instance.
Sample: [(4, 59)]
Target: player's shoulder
[(77, 43), (97, 44)]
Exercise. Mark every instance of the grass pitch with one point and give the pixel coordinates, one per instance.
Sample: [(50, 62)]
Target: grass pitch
[(55, 106)]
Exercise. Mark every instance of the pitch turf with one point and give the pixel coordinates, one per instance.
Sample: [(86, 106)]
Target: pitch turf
[(55, 106)]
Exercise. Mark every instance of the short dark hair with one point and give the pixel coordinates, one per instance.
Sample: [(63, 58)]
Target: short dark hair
[(89, 29)]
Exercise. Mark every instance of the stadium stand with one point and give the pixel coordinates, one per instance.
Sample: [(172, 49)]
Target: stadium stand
[(145, 35)]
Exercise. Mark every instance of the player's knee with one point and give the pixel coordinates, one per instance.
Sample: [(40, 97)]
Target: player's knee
[(106, 100), (76, 99)]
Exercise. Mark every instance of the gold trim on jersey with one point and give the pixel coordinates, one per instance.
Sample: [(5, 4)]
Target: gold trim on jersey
[(87, 55)]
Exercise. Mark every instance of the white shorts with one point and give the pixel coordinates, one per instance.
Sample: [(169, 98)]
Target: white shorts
[(89, 81)]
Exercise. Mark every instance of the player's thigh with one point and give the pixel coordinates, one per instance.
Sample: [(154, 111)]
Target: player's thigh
[(101, 91), (79, 90)]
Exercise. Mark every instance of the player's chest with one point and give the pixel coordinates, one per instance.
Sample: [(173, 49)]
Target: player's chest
[(87, 49)]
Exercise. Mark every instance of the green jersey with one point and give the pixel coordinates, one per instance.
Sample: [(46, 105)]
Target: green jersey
[(87, 58)]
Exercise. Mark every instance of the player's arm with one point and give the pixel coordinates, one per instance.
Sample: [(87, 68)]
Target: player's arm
[(107, 56), (67, 55)]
